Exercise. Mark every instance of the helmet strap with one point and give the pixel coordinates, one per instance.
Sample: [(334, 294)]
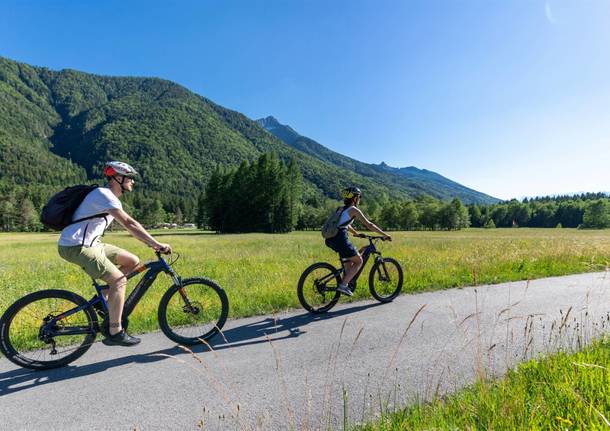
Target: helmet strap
[(123, 189)]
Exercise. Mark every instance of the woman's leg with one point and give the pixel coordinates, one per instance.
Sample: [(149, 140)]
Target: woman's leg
[(351, 265)]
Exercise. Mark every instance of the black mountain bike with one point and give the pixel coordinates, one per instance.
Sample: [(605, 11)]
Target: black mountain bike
[(51, 328), (317, 288)]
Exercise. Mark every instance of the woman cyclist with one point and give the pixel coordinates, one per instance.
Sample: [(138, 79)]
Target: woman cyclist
[(350, 257)]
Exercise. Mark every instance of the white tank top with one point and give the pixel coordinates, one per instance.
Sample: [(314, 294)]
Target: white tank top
[(345, 220)]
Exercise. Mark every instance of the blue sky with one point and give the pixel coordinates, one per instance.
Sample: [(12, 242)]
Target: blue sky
[(511, 98)]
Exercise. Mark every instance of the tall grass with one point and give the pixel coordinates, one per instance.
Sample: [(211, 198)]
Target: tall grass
[(260, 271), (559, 391)]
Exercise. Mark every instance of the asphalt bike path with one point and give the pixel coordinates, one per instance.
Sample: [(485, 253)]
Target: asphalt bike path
[(298, 371)]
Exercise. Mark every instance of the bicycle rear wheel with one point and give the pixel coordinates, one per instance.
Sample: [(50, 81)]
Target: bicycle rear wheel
[(31, 338), (317, 288), (193, 313), (385, 279)]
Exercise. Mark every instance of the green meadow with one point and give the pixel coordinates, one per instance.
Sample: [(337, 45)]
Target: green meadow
[(260, 271)]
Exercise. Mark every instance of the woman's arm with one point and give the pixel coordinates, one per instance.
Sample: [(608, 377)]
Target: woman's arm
[(357, 214), (354, 231)]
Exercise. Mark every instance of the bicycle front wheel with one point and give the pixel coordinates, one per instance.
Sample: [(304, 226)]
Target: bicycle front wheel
[(385, 279), (317, 288), (45, 329), (193, 313)]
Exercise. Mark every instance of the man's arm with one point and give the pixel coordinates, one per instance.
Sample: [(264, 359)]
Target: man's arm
[(137, 230), (357, 214)]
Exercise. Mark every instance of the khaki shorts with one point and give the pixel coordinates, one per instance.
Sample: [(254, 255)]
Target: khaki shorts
[(97, 261)]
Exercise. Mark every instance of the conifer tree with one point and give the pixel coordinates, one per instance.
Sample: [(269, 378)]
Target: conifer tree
[(295, 186), (8, 214), (28, 217), (597, 214), (409, 216), (200, 218)]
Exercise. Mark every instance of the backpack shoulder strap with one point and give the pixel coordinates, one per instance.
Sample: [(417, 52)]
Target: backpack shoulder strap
[(347, 222), (100, 215)]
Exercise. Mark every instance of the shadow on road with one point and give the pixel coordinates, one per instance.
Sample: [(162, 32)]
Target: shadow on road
[(263, 331), (271, 329)]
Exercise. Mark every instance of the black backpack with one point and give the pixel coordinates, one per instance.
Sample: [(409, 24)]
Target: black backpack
[(58, 212)]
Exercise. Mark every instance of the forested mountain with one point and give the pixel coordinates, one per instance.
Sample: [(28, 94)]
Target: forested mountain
[(413, 180), (58, 128)]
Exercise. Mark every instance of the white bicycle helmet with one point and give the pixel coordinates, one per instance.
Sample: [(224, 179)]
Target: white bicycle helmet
[(119, 168), (122, 169)]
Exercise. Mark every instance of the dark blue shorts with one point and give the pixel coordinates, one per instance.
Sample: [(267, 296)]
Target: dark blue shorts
[(342, 245)]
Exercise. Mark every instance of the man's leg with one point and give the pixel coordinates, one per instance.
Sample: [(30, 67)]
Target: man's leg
[(123, 259), (94, 260), (126, 261), (116, 298)]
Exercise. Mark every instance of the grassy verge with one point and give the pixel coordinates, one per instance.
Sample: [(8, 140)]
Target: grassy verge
[(260, 272), (561, 391)]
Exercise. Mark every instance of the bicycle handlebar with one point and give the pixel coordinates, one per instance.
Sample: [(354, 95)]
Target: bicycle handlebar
[(373, 237), (173, 257), (160, 251)]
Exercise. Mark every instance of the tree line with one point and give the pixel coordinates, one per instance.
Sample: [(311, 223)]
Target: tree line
[(421, 213), (267, 196), (591, 211)]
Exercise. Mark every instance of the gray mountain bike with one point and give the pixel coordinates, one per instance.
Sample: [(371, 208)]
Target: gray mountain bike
[(317, 287)]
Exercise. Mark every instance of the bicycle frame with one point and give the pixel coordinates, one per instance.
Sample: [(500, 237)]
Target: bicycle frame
[(154, 268), (366, 254)]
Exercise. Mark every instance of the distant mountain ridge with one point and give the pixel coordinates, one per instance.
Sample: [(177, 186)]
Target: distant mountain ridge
[(59, 127), (286, 133), (417, 181)]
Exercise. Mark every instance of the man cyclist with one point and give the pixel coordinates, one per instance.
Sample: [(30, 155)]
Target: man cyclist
[(351, 258), (80, 243)]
